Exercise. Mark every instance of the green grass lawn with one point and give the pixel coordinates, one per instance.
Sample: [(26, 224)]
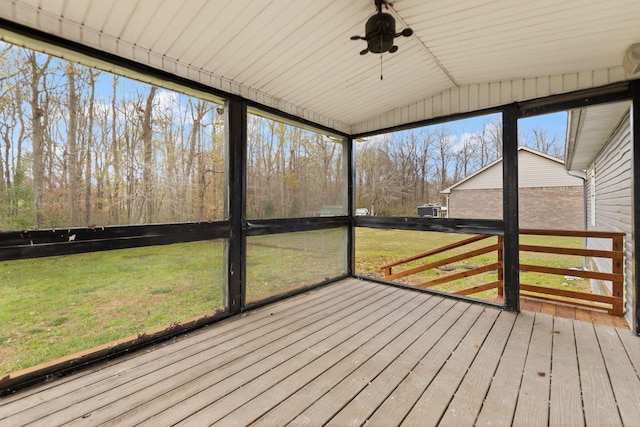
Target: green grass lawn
[(56, 306), (283, 262), (53, 307)]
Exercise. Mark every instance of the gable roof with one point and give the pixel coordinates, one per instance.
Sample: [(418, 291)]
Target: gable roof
[(297, 56), (529, 160)]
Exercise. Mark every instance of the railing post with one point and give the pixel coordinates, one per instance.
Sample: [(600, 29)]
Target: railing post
[(617, 245), (511, 253), (501, 268)]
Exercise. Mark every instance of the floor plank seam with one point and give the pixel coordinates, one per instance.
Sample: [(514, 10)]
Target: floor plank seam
[(443, 365), (526, 356), (426, 313), (608, 371), (317, 356), (479, 348), (495, 371), (406, 347), (347, 313), (423, 356), (203, 350), (575, 343)]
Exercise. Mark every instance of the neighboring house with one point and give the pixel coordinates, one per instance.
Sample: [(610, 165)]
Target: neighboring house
[(599, 146), (549, 197)]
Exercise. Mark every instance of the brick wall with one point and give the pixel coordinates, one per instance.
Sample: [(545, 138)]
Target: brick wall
[(539, 207)]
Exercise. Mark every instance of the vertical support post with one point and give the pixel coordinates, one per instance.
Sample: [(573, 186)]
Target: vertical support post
[(511, 245), (350, 159), (617, 267), (237, 190), (635, 202)]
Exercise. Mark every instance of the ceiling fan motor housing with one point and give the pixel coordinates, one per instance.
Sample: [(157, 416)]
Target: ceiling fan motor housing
[(380, 32)]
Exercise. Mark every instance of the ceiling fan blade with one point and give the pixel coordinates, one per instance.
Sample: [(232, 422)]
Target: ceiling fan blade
[(357, 38), (364, 51)]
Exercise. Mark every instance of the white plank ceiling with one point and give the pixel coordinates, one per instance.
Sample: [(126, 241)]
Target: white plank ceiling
[(297, 56)]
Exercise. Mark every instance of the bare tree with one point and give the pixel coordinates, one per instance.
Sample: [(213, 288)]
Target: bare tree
[(38, 109), (147, 141), (540, 140), (442, 155)]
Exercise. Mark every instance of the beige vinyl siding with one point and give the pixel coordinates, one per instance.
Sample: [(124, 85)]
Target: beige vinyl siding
[(613, 172), (534, 171)]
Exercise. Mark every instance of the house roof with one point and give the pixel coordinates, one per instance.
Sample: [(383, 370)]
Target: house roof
[(297, 56), (588, 130), (493, 174)]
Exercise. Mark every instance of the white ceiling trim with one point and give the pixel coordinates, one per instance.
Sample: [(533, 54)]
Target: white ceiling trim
[(296, 57), (473, 97), (33, 17)]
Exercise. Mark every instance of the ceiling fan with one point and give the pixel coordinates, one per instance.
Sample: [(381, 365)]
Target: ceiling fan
[(380, 31)]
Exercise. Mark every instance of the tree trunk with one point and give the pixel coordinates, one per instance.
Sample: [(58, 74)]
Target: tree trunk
[(37, 126), (147, 140), (115, 150), (73, 174), (89, 153)]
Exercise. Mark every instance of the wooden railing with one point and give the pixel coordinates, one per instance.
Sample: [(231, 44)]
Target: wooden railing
[(388, 274), (613, 303)]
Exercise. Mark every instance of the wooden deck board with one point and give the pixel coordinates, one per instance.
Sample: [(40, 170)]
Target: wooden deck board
[(395, 408), (624, 379), (468, 399), (533, 400), (631, 344), (327, 394), (197, 390), (597, 394), (500, 402), (367, 356), (356, 353), (360, 408), (434, 401), (565, 408), (340, 349)]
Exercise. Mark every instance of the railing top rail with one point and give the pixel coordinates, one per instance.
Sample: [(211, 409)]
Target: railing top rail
[(572, 233), (436, 251)]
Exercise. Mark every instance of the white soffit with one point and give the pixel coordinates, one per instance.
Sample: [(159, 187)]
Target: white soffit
[(588, 130), (297, 56)]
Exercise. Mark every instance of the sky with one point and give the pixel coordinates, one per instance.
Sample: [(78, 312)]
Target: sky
[(555, 124)]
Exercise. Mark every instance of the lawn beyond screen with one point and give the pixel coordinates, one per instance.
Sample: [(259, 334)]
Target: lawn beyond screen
[(283, 262), (57, 306)]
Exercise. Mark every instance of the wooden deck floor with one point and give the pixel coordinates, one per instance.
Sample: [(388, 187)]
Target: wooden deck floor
[(598, 317), (356, 352)]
